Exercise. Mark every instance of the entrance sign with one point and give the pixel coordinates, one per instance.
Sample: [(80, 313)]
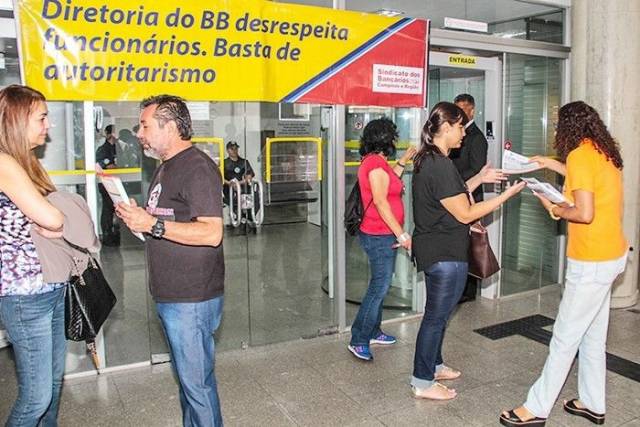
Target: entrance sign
[(456, 60), (223, 50)]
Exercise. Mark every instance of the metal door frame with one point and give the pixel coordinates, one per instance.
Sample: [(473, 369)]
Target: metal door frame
[(493, 84)]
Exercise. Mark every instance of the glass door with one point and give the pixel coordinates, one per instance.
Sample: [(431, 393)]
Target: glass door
[(531, 241), (404, 296), (218, 125), (287, 260), (480, 77)]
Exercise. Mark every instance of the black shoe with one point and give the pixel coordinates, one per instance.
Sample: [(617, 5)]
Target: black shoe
[(466, 298), (512, 420), (594, 417), (109, 242)]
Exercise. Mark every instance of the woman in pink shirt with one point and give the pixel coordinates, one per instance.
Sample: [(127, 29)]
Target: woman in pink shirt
[(381, 232)]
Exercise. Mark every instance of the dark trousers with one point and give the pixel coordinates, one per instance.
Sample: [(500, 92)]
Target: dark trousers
[(470, 289), (106, 215)]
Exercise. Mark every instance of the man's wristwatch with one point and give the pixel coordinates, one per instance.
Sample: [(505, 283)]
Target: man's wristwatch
[(157, 231)]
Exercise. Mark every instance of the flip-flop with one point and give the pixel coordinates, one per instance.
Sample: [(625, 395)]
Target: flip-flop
[(447, 373), (512, 420), (571, 407), (417, 396)]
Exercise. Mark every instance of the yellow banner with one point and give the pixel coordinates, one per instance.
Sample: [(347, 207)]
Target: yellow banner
[(215, 50)]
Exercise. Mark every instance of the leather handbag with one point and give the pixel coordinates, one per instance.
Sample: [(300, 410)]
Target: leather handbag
[(482, 260), (88, 302)]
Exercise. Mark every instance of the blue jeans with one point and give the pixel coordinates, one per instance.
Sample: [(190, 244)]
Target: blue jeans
[(35, 326), (382, 260), (189, 329), (445, 283)]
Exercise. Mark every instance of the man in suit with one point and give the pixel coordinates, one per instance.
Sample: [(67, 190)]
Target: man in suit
[(469, 159)]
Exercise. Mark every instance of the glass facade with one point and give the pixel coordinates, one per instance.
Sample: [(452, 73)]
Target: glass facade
[(531, 240), (279, 283), (505, 18)]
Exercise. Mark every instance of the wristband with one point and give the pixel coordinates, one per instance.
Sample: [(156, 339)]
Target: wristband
[(403, 237), (402, 165), (551, 214)]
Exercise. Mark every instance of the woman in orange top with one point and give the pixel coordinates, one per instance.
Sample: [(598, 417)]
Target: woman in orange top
[(596, 255)]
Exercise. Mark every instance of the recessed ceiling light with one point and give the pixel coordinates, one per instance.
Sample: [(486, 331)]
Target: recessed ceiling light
[(389, 12)]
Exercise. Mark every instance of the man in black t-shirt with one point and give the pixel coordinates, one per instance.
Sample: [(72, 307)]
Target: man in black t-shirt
[(183, 222), (235, 167)]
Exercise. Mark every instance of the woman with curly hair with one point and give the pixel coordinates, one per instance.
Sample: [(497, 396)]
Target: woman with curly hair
[(596, 255)]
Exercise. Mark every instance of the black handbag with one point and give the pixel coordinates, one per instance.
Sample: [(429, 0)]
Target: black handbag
[(88, 302), (353, 212), (482, 260)]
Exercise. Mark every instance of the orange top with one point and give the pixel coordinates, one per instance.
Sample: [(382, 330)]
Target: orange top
[(603, 239)]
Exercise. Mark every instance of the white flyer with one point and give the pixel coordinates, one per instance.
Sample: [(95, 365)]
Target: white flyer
[(118, 194), (547, 191), (513, 163)]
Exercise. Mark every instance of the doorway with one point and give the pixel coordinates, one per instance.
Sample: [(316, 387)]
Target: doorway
[(515, 113), (481, 77)]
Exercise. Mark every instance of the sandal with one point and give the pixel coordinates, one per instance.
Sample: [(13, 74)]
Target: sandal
[(513, 420), (571, 407), (447, 373), (417, 395)]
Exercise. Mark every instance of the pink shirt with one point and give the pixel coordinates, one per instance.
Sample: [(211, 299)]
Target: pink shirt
[(372, 223)]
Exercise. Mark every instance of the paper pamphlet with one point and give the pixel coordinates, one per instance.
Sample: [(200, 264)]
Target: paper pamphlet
[(517, 163), (118, 194), (546, 190)]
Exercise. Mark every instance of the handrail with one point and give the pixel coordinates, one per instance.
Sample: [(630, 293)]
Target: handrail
[(354, 144), (260, 191), (213, 140), (391, 162), (294, 139), (118, 171), (234, 187)]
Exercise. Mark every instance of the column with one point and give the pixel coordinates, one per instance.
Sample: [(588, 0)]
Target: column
[(605, 65)]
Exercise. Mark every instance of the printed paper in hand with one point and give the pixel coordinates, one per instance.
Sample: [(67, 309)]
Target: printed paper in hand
[(513, 163), (116, 191), (546, 190)]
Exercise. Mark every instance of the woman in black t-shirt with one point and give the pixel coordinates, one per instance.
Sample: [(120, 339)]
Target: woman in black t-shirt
[(442, 213)]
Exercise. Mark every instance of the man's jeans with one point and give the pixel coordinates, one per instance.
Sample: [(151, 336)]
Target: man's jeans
[(35, 325), (189, 329), (382, 260), (445, 282), (581, 325)]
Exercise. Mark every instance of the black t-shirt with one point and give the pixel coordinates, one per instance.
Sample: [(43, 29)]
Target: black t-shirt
[(183, 188), (438, 235), (237, 169)]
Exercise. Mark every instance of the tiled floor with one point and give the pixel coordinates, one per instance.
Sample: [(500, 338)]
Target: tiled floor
[(317, 382)]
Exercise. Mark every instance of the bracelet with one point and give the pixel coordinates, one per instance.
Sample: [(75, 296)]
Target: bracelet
[(551, 214), (402, 165), (403, 237)]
